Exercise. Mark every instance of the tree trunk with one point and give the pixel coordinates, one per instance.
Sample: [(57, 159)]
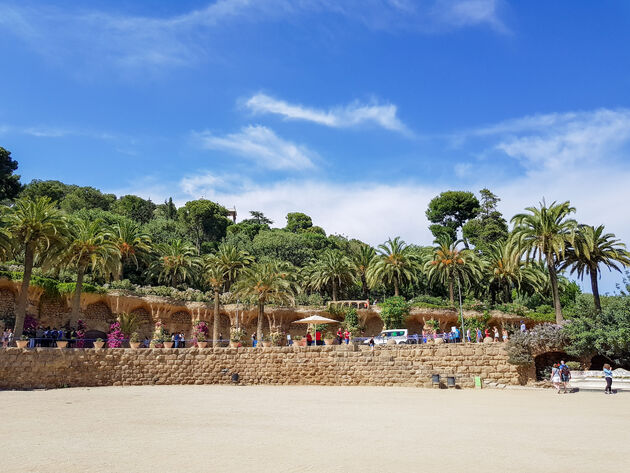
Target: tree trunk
[(396, 291), (261, 316), (553, 278), (595, 287), (451, 291), (215, 320), (76, 297), (334, 290), (366, 294), (20, 310)]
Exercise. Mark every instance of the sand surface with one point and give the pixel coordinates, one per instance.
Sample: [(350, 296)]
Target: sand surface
[(299, 428)]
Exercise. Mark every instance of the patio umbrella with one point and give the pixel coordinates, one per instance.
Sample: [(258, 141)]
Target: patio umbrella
[(315, 319)]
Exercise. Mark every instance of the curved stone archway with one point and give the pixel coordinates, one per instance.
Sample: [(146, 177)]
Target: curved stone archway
[(145, 322), (180, 321), (7, 307), (98, 316), (544, 361)]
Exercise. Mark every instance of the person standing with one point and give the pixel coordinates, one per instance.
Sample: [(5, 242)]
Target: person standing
[(565, 375), (496, 334), (289, 341), (346, 336), (182, 340), (254, 341), (468, 335), (555, 377), (505, 335), (339, 336), (309, 339), (608, 375)]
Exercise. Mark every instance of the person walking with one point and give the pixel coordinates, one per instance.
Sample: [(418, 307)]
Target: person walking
[(505, 335), (468, 335), (496, 334), (555, 377), (478, 335), (565, 375), (608, 375), (371, 343)]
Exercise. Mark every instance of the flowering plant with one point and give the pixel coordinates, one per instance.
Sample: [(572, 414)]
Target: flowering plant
[(115, 336), (236, 334), (200, 329)]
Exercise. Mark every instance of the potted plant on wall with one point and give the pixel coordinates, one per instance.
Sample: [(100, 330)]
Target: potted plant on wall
[(299, 341), (167, 340), (236, 336), (200, 333), (328, 337), (134, 340), (266, 341), (277, 338), (22, 342), (99, 343)]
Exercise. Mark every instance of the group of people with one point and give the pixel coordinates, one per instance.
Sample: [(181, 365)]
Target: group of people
[(560, 377), (7, 337)]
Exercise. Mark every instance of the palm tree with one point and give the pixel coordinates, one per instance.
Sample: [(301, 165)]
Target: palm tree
[(132, 243), (505, 269), (546, 232), (232, 261), (266, 282), (592, 248), (450, 264), (129, 322), (362, 260), (177, 262), (89, 244), (35, 226), (334, 269), (396, 263), (215, 274)]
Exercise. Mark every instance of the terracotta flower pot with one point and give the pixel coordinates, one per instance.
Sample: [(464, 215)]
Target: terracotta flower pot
[(234, 344), (329, 341), (134, 345), (202, 344), (61, 344), (300, 343), (99, 345), (168, 344), (438, 340), (21, 343), (266, 344)]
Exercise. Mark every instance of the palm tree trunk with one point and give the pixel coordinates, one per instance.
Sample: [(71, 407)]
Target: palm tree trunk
[(396, 291), (364, 285), (334, 290), (261, 316), (20, 310), (215, 319), (595, 287), (451, 291), (553, 279), (76, 297)]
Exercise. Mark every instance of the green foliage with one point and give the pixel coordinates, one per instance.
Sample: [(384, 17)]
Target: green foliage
[(167, 210), (298, 222), (314, 300), (129, 323), (134, 207), (54, 190), (605, 333), (513, 308), (450, 210), (86, 198), (164, 231), (394, 310), (430, 302), (522, 347), (282, 245), (204, 220), (487, 228), (480, 322), (69, 287), (10, 185)]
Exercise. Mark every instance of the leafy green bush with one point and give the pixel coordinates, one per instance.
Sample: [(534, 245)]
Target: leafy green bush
[(311, 300), (574, 365), (429, 302), (538, 317), (475, 305), (546, 337), (394, 311), (69, 287), (513, 308), (544, 309)]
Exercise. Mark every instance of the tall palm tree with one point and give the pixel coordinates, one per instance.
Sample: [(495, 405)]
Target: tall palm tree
[(35, 226), (333, 269), (232, 260), (266, 282), (396, 263), (449, 264), (177, 263), (133, 244), (89, 244), (362, 260), (215, 274), (545, 232), (592, 248), (504, 269)]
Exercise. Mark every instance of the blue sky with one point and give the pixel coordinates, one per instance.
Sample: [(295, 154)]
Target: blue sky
[(356, 112)]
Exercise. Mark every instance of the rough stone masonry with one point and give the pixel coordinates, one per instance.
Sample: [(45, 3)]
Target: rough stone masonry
[(334, 365)]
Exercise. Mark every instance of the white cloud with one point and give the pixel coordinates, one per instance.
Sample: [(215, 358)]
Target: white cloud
[(53, 132), (262, 145), (139, 41), (354, 114)]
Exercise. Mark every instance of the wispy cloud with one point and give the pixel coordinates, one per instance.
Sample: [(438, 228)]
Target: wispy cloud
[(146, 41), (261, 145), (53, 132), (354, 114)]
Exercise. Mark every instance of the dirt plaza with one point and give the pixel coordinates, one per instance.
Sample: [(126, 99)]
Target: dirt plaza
[(311, 428)]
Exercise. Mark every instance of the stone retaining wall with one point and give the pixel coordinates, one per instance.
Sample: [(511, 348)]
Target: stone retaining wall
[(336, 365)]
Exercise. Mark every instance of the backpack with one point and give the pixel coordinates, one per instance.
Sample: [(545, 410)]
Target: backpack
[(565, 371)]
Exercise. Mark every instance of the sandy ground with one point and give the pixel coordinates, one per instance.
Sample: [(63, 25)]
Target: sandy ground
[(298, 428)]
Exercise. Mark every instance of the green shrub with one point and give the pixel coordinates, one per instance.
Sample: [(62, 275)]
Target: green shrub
[(394, 311), (513, 308), (544, 309), (574, 365)]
